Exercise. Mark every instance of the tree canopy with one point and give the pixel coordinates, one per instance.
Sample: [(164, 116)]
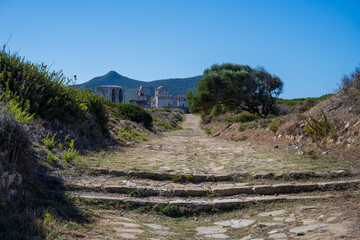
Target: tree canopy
[(228, 86)]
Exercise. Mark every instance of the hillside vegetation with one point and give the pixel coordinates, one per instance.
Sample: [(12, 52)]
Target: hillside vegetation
[(324, 127), (46, 127)]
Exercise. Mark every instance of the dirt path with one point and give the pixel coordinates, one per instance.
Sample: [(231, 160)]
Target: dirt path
[(192, 150), (307, 210)]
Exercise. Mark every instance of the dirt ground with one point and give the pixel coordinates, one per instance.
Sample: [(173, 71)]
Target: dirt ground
[(191, 150)]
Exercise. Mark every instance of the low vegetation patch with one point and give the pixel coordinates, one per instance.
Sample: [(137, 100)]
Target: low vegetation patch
[(242, 117), (130, 135)]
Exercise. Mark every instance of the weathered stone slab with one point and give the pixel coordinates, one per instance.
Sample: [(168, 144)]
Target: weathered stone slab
[(264, 190), (221, 178), (217, 236), (303, 229), (227, 203), (284, 188), (117, 189), (306, 187), (195, 191), (156, 226), (234, 223), (228, 191), (202, 177), (193, 204), (272, 213), (278, 236), (210, 230)]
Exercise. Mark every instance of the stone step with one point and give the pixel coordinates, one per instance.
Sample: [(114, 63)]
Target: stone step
[(196, 178), (198, 204), (197, 190)]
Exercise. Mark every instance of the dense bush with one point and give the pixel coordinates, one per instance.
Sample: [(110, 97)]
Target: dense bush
[(135, 113), (231, 86), (46, 94)]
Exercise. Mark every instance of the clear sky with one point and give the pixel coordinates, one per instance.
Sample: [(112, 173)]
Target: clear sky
[(309, 44)]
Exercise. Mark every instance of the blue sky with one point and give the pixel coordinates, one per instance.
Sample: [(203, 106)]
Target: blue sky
[(309, 44)]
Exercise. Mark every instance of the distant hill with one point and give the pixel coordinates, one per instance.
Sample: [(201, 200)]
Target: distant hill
[(176, 86)]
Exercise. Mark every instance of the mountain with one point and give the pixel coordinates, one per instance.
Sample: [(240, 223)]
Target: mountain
[(176, 86)]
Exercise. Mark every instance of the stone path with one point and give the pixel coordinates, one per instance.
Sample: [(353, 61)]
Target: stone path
[(196, 173), (191, 150)]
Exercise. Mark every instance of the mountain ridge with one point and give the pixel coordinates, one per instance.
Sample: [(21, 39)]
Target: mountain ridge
[(176, 86)]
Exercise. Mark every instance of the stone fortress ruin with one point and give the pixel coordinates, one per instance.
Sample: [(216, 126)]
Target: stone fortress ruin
[(113, 93), (143, 97)]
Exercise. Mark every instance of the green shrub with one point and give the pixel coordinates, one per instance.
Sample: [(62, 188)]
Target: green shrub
[(135, 113), (22, 115), (70, 154), (171, 211), (50, 143), (208, 131), (319, 128), (274, 125)]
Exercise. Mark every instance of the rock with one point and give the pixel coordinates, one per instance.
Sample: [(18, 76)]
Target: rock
[(236, 223), (126, 235), (278, 236), (303, 229), (272, 213), (339, 173), (210, 230)]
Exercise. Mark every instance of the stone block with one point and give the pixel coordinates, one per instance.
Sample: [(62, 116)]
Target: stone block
[(264, 190), (228, 191)]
